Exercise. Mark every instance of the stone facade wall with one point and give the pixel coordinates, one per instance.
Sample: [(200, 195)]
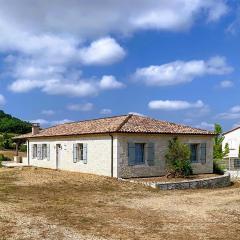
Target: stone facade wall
[(161, 145)]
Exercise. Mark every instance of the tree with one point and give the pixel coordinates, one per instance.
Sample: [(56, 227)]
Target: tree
[(178, 159), (239, 151), (218, 153), (226, 149), (11, 124)]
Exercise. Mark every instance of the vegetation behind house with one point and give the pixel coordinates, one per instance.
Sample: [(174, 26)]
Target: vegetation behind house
[(218, 152), (9, 127)]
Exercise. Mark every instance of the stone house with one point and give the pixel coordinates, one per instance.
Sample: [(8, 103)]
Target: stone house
[(121, 146)]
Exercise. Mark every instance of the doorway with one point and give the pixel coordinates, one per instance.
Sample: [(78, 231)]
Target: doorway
[(58, 154)]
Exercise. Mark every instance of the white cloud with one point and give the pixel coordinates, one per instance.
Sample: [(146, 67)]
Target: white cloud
[(110, 82), (178, 72), (48, 112), (226, 84), (45, 123), (235, 109), (137, 114), (57, 122), (101, 52), (84, 107), (2, 100), (233, 113), (59, 81), (91, 18), (205, 125), (229, 116), (105, 111), (41, 121), (172, 105), (43, 46)]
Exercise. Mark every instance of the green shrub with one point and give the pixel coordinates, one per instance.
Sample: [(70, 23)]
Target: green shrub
[(23, 148), (2, 158), (178, 159), (217, 166)]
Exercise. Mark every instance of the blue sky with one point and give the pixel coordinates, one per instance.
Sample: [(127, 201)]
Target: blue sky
[(71, 60)]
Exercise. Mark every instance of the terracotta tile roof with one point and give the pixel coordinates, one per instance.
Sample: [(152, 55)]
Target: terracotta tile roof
[(119, 124)]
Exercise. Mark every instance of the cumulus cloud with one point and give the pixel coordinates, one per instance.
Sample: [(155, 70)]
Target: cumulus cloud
[(2, 100), (102, 52), (232, 113), (173, 105), (235, 109), (48, 112), (94, 18), (226, 84), (137, 114), (105, 111), (205, 125), (56, 84), (41, 42), (45, 123), (83, 107), (110, 82), (178, 72)]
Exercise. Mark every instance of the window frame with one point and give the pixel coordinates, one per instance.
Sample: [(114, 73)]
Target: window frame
[(34, 149), (142, 148), (44, 151), (79, 152), (197, 152)]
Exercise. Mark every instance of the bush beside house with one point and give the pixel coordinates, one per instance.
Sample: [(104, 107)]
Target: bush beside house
[(178, 159)]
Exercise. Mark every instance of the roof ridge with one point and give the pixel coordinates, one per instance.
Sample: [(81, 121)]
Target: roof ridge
[(124, 122), (85, 120)]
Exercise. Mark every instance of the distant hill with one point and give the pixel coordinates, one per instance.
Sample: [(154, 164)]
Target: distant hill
[(10, 124)]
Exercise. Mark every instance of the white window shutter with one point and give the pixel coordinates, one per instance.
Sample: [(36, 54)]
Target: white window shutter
[(32, 150), (74, 153), (38, 151), (85, 153), (48, 152)]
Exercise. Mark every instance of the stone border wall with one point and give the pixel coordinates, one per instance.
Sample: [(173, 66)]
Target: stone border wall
[(213, 182)]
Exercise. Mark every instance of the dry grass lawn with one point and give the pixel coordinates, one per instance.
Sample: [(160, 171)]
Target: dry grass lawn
[(10, 153), (48, 204)]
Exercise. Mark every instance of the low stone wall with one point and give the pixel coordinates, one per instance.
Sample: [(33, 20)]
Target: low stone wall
[(213, 182)]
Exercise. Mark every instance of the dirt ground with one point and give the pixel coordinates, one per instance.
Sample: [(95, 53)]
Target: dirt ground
[(48, 204)]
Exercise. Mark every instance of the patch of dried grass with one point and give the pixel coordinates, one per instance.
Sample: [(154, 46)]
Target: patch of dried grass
[(103, 207)]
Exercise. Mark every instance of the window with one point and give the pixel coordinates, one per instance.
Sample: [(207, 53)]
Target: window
[(198, 152), (194, 152), (236, 163), (136, 153), (80, 152), (41, 151), (203, 152), (139, 153), (44, 151), (34, 151)]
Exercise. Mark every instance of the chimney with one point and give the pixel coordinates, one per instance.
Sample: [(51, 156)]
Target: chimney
[(35, 128)]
